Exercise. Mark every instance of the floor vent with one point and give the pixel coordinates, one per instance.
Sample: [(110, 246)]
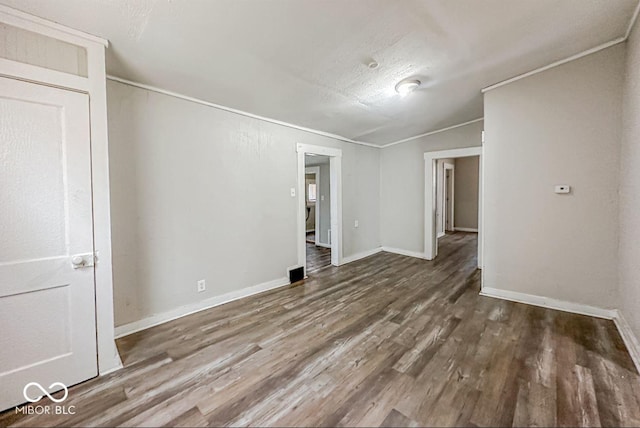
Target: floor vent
[(296, 274)]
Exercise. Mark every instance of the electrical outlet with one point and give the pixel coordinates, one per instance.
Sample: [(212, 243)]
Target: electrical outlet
[(202, 286)]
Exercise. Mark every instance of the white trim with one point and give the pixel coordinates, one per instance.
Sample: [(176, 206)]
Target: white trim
[(634, 18), (430, 172), (182, 311), (441, 235), (335, 184), (546, 302), (320, 244), (465, 229), (36, 74), (315, 170), (407, 253), (437, 131), (556, 64), (361, 255), (455, 153), (236, 111), (108, 356), (107, 352), (33, 23), (629, 338)]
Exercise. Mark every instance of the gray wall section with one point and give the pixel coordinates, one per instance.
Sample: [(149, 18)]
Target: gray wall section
[(629, 268), (560, 126), (402, 184), (201, 193), (466, 192)]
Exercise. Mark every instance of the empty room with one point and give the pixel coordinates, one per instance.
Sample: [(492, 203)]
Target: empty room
[(319, 213)]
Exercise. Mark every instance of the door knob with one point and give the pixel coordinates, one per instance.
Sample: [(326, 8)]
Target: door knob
[(83, 260)]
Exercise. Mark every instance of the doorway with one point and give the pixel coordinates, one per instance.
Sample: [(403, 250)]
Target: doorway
[(448, 199), (318, 212), (320, 193), (453, 197), (444, 195)]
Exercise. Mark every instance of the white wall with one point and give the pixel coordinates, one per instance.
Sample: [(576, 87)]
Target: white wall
[(402, 184), (466, 192), (629, 266), (561, 126), (200, 193)]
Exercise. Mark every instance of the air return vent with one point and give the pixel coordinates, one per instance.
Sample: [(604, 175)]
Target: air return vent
[(296, 274)]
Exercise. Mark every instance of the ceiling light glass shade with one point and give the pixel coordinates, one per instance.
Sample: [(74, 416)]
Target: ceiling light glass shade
[(406, 86)]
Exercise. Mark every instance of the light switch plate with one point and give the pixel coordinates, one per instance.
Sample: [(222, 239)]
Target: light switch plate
[(293, 192)]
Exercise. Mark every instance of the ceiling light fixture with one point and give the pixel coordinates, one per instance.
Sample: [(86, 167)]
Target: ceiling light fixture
[(407, 86)]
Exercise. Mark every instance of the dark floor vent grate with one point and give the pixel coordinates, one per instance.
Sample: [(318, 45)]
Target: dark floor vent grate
[(296, 274)]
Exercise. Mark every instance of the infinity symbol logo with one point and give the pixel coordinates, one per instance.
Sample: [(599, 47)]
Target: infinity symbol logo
[(53, 387)]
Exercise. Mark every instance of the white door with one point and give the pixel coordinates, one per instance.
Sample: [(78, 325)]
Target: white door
[(47, 303)]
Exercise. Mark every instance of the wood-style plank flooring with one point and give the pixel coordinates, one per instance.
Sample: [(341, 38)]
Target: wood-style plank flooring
[(317, 257), (385, 341)]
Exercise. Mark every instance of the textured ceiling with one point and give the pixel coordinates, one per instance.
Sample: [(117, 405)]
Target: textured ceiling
[(304, 61)]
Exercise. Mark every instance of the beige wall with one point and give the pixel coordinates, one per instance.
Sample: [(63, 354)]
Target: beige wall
[(200, 193), (561, 126), (466, 192), (629, 264), (402, 184)]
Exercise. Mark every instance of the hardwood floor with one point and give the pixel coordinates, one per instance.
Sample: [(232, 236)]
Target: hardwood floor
[(388, 340), (317, 257)]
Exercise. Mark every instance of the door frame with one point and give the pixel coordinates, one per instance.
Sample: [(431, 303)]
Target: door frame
[(315, 170), (430, 174), (335, 184), (448, 212), (95, 85)]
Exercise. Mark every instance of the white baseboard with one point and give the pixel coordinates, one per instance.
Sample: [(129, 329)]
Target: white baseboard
[(441, 234), (403, 252), (630, 339), (127, 329), (547, 302), (466, 229), (361, 255), (117, 366), (320, 244), (310, 230)]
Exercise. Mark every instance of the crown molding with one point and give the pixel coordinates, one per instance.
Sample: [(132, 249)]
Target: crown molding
[(437, 131), (37, 21), (634, 18), (405, 140), (236, 111), (556, 64)]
